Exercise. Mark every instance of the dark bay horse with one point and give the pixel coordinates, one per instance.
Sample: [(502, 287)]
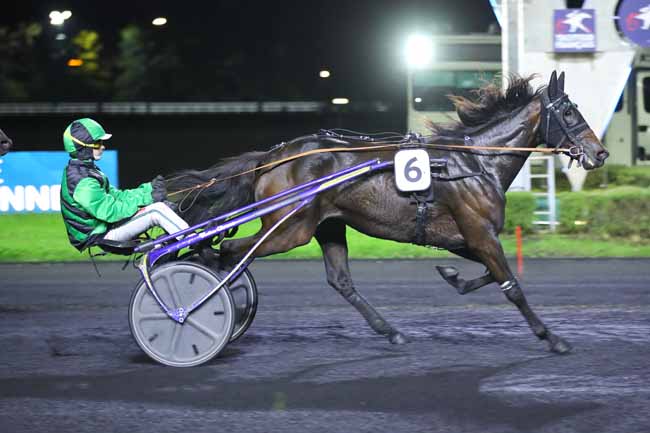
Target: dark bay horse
[(5, 143), (465, 218)]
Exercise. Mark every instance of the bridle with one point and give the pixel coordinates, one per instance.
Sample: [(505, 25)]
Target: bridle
[(555, 129)]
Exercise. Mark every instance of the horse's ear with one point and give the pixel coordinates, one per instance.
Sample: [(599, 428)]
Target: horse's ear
[(552, 86), (560, 82)]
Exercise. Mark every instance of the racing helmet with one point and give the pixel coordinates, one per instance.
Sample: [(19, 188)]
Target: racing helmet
[(83, 135)]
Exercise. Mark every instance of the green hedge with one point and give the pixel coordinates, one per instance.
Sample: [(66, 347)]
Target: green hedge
[(519, 211), (614, 212), (603, 213), (609, 176), (633, 176)]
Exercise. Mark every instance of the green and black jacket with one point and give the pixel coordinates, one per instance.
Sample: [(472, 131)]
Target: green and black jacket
[(90, 205)]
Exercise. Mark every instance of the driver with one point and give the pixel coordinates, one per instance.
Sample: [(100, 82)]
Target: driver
[(92, 209)]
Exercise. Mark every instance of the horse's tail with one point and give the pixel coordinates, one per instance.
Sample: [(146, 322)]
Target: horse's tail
[(200, 194)]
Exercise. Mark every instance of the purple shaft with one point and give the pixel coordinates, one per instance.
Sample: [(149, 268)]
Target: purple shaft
[(253, 205), (336, 180)]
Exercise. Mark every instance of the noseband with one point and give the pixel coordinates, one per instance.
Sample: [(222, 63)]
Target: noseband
[(553, 124)]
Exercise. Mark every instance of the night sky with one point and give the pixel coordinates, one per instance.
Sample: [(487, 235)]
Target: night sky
[(360, 41)]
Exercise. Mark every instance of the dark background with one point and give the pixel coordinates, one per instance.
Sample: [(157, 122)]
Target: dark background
[(153, 144), (222, 51)]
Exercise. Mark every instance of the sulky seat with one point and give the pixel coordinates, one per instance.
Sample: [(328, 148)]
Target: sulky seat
[(124, 248)]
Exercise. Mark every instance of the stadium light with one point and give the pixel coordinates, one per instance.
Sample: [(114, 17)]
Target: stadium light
[(324, 73), (160, 21), (419, 51), (57, 18), (340, 101)]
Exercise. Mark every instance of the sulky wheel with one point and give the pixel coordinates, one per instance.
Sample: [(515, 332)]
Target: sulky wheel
[(205, 332), (243, 291), (244, 295)]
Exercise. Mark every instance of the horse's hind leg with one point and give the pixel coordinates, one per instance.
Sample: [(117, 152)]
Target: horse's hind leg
[(331, 237), (296, 231)]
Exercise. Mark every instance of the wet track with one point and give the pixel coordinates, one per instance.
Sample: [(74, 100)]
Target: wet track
[(310, 363)]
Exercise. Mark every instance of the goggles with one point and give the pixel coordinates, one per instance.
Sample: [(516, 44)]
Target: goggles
[(81, 143)]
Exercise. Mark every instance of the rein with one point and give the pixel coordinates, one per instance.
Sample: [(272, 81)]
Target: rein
[(410, 140)]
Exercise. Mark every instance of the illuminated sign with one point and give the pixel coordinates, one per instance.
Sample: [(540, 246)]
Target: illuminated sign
[(31, 181), (634, 21), (574, 30)]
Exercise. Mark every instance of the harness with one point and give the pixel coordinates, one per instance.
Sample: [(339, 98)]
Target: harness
[(421, 199)]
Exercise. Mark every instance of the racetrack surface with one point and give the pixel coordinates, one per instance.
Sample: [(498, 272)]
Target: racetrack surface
[(310, 363)]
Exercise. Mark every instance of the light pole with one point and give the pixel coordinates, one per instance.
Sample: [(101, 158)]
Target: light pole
[(57, 19)]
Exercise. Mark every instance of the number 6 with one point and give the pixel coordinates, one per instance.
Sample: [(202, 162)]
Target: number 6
[(408, 169)]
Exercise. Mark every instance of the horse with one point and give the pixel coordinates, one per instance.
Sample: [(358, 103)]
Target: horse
[(465, 217), (5, 143)]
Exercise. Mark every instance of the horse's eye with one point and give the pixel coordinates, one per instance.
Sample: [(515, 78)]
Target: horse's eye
[(568, 113)]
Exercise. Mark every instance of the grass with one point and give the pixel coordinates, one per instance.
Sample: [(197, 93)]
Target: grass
[(41, 237)]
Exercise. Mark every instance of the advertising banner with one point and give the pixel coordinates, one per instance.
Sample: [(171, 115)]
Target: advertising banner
[(634, 21), (574, 30), (31, 181)]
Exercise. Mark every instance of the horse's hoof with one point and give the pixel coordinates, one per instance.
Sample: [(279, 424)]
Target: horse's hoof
[(398, 338), (447, 272), (560, 346)]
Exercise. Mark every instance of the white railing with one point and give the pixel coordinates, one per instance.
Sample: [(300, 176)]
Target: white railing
[(234, 107)]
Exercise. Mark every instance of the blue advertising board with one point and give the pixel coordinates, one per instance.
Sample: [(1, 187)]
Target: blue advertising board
[(31, 181), (634, 21), (574, 30)]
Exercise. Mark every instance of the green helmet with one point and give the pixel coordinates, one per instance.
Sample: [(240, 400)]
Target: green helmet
[(83, 133)]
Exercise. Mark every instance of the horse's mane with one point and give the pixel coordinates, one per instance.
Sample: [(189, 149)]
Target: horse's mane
[(491, 104)]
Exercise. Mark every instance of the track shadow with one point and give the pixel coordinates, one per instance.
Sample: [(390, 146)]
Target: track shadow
[(453, 393)]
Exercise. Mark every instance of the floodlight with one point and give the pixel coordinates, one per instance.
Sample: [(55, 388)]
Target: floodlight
[(324, 73), (160, 21), (340, 101), (419, 51), (56, 18)]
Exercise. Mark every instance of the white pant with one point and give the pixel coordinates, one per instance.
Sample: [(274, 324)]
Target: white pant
[(157, 214)]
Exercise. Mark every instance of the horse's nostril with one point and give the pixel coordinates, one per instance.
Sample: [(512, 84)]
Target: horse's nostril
[(602, 155)]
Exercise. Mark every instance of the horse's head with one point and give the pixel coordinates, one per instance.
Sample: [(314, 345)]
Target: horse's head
[(563, 127), (5, 143)]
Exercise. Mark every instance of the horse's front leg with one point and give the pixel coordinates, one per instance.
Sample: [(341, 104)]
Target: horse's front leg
[(331, 236), (450, 274), (483, 242)]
